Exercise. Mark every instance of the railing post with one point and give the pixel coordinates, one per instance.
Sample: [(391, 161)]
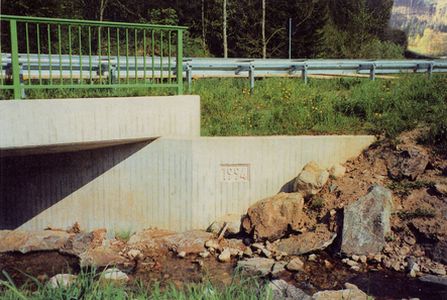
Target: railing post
[(15, 61), (179, 62)]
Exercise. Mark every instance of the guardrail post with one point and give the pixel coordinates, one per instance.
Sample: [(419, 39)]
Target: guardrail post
[(189, 76), (372, 73), (251, 74), (430, 70), (304, 73), (179, 62), (15, 61)]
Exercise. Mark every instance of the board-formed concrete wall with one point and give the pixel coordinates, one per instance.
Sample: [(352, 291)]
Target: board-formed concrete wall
[(170, 183), (62, 122)]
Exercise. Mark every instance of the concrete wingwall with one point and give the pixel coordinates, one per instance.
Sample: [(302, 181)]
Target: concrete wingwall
[(171, 183)]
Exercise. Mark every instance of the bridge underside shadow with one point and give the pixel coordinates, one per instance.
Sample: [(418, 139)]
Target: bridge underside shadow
[(32, 183)]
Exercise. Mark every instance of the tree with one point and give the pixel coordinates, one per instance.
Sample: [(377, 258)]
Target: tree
[(264, 42), (225, 41)]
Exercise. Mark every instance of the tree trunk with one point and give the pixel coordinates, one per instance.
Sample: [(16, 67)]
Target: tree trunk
[(225, 42), (102, 8), (264, 43), (203, 26)]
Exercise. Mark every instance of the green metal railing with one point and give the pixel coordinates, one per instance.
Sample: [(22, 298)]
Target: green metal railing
[(47, 53)]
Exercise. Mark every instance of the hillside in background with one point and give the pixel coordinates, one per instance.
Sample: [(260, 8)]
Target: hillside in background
[(425, 22)]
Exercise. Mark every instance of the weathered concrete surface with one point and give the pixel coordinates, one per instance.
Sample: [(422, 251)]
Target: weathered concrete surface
[(169, 183), (29, 124)]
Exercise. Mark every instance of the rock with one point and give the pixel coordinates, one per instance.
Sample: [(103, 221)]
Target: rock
[(29, 241), (81, 242), (234, 244), (114, 275), (204, 254), (256, 266), (350, 293), (366, 222), (281, 290), (351, 263), (248, 252), (295, 265), (312, 257), (101, 257), (441, 280), (409, 240), (311, 179), (270, 218), (212, 244), (438, 252), (225, 256), (181, 254), (355, 268), (355, 257), (337, 171), (267, 253), (363, 259), (62, 280), (278, 268), (149, 236), (328, 264), (233, 222), (134, 254), (441, 188), (437, 269), (191, 242), (410, 162), (307, 242)]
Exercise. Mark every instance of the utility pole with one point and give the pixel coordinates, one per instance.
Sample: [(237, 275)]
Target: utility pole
[(225, 42)]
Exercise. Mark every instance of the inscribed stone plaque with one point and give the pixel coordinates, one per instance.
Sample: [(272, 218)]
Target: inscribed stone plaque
[(235, 173)]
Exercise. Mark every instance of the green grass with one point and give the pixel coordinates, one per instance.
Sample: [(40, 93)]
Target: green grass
[(286, 106), (123, 234), (418, 213), (88, 286), (405, 187)]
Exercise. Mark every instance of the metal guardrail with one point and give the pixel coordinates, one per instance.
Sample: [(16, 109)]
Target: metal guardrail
[(62, 53), (114, 69)]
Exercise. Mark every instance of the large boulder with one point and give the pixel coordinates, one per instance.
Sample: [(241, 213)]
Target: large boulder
[(82, 241), (189, 242), (102, 257), (256, 266), (232, 221), (366, 222), (350, 293), (307, 242), (270, 219), (281, 290), (311, 179), (28, 241), (408, 162)]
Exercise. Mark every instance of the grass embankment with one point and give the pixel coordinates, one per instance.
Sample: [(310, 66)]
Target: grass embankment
[(337, 106), (90, 286), (283, 106)]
